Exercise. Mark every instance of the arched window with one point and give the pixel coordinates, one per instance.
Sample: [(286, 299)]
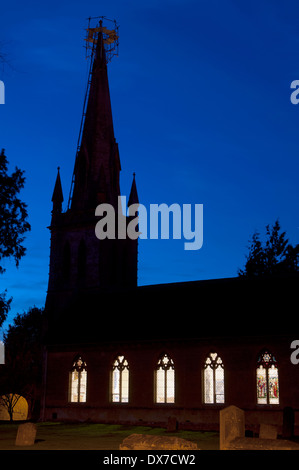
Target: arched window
[(213, 379), (120, 380), (267, 379), (165, 380), (78, 381)]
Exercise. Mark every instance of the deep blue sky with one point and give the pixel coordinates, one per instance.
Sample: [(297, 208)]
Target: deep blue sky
[(201, 104)]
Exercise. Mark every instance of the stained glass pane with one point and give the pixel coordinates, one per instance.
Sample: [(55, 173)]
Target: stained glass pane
[(78, 381), (170, 386), (160, 386), (83, 383), (273, 385), (120, 380), (115, 385), (261, 384), (165, 382), (219, 385), (208, 385), (213, 379), (165, 360), (125, 386), (266, 358), (74, 385), (267, 379)]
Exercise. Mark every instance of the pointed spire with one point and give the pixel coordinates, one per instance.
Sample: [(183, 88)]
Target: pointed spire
[(98, 147), (133, 198), (57, 197), (98, 109)]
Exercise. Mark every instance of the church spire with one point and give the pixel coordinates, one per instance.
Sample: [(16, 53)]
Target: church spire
[(82, 267), (97, 158)]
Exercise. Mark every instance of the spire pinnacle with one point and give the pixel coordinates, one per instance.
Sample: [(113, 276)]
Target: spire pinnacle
[(57, 197), (133, 198)]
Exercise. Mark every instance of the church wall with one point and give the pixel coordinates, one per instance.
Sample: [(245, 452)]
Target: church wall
[(239, 358)]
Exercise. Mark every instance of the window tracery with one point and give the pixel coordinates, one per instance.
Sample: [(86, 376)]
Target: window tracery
[(213, 379), (165, 380), (78, 381), (267, 383), (120, 380)]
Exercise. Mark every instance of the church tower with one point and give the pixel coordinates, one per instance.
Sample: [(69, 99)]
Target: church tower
[(83, 269)]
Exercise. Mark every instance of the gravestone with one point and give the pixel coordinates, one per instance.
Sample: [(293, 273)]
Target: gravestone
[(26, 434), (172, 424), (268, 431), (232, 425), (255, 443), (288, 422), (149, 442)]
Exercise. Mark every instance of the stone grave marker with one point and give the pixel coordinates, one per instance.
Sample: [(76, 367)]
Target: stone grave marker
[(26, 434), (152, 442), (268, 431), (232, 425)]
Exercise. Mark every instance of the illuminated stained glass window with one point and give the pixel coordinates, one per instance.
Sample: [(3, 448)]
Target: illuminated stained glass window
[(78, 381), (165, 380), (267, 383), (213, 379), (120, 380)]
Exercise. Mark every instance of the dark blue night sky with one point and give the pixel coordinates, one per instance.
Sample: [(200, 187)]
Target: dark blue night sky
[(202, 113)]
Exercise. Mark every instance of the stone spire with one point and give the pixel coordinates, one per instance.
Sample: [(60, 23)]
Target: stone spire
[(97, 164)]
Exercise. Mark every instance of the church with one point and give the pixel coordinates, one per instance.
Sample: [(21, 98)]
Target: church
[(116, 352)]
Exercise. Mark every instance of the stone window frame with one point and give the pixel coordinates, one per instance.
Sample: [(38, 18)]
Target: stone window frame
[(214, 364), (165, 366), (121, 366), (79, 365), (267, 363)]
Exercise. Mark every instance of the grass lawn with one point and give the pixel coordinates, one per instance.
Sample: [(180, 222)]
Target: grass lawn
[(62, 436)]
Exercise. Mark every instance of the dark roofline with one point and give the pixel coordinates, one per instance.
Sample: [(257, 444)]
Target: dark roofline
[(229, 281)]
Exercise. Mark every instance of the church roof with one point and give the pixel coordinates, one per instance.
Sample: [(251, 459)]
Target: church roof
[(184, 311)]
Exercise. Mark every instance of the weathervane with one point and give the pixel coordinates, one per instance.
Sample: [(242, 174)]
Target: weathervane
[(110, 36)]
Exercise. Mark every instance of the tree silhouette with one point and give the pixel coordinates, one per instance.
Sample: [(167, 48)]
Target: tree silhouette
[(275, 257), (13, 222), (21, 375)]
